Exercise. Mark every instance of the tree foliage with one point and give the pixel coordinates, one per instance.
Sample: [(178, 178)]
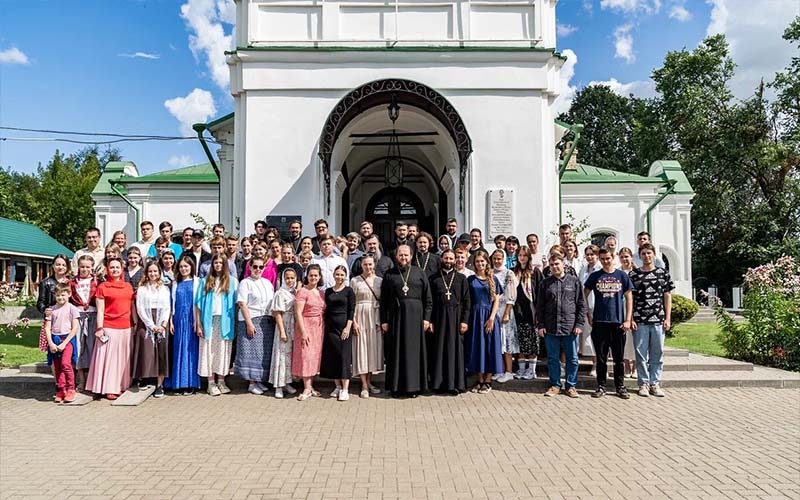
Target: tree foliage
[(741, 156), (57, 198)]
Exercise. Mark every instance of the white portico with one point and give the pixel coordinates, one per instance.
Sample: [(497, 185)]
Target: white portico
[(474, 83)]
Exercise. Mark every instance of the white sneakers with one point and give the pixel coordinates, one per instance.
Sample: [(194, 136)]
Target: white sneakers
[(530, 374), (255, 389), (335, 392), (505, 377), (344, 395), (520, 375), (279, 392), (213, 389), (223, 389), (644, 390), (657, 391), (289, 389)]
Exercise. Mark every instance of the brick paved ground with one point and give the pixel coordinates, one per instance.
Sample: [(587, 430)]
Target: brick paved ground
[(696, 443)]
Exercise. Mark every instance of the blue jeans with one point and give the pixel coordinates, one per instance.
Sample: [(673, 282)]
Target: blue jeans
[(649, 343), (554, 344)]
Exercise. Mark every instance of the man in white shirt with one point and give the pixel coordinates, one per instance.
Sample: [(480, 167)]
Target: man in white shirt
[(148, 237), (328, 262), (92, 248)]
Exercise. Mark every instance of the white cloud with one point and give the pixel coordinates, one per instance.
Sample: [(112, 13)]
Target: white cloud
[(206, 19), (13, 56), (631, 6), (623, 43), (180, 161), (755, 38), (197, 107), (679, 13), (141, 55), (564, 99), (639, 88), (566, 29)]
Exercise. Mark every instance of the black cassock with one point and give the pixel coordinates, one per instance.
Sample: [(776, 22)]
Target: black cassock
[(428, 262), (404, 343), (445, 344)]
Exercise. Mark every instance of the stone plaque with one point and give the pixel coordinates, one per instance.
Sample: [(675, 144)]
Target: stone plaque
[(282, 223), (500, 211)]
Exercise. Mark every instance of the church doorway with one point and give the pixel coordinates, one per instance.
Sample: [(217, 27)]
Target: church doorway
[(390, 205)]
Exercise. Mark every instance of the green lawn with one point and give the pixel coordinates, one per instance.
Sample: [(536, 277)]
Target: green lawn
[(700, 338), (20, 351)]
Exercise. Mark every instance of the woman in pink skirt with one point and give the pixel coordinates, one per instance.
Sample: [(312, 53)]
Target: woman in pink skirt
[(109, 372), (309, 328)]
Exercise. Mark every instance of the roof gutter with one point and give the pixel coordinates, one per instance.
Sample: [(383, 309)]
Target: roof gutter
[(113, 183), (200, 128), (670, 185)]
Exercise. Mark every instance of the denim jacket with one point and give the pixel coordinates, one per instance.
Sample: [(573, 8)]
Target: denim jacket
[(560, 305), (205, 302)]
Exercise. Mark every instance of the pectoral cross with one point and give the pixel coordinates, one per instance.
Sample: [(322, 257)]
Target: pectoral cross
[(405, 290), (448, 295)]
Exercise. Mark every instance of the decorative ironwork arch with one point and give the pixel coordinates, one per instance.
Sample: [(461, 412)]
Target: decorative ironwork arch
[(380, 92)]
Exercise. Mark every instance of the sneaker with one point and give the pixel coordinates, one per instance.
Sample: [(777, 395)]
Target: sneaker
[(213, 389), (255, 389), (571, 392), (599, 392), (644, 390), (335, 392), (506, 377), (263, 387), (622, 392), (364, 394), (374, 389), (223, 389), (495, 377), (279, 392), (143, 384), (59, 397), (530, 374), (159, 392), (344, 395), (69, 397), (553, 391), (289, 389), (520, 375), (188, 392), (657, 391)]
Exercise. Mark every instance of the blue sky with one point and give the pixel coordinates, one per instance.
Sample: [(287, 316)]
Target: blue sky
[(102, 66)]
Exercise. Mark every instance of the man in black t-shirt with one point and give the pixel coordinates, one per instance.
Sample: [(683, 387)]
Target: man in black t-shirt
[(652, 316)]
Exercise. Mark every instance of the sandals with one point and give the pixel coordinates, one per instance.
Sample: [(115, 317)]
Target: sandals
[(476, 388), (304, 395), (485, 388)]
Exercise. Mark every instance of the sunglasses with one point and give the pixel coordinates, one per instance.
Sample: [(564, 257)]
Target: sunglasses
[(257, 267)]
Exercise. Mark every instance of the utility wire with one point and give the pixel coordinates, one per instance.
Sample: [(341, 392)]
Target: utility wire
[(65, 132), (127, 139)]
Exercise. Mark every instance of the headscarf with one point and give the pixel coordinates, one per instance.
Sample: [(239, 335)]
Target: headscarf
[(291, 290)]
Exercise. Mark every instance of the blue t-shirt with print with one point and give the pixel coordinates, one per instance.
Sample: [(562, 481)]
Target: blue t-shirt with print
[(609, 290)]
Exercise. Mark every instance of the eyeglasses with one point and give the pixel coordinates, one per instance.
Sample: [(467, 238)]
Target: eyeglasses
[(257, 267)]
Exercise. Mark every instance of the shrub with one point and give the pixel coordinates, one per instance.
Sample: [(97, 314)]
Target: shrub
[(771, 334), (683, 309)]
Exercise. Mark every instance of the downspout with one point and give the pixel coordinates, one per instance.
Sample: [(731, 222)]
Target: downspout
[(200, 128), (115, 189), (562, 165), (670, 185)]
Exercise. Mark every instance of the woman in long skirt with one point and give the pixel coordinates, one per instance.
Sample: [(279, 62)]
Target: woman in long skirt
[(309, 327), (215, 303), (110, 370), (337, 351), (185, 344), (482, 345), (508, 324), (368, 340), (256, 329), (280, 371), (151, 346)]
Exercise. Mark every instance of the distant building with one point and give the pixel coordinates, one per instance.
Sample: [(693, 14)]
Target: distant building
[(26, 252)]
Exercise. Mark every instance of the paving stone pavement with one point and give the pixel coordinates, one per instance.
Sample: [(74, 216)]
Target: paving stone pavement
[(695, 443)]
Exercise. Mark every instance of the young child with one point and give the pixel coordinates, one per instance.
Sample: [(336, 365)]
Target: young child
[(83, 288), (61, 325), (280, 372)]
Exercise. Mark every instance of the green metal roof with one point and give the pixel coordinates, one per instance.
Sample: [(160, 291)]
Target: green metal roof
[(112, 170), (23, 238), (672, 170), (587, 174), (199, 174)]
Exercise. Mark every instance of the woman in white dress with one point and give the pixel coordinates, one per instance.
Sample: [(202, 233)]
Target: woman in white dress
[(280, 373), (508, 324), (368, 340)]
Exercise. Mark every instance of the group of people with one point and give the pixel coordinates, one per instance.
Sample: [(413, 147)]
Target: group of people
[(281, 309)]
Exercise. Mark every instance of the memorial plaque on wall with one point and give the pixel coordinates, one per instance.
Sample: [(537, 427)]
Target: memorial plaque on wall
[(500, 212), (282, 223)]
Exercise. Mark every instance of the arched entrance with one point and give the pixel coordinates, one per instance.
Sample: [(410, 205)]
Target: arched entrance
[(356, 151), (391, 205)]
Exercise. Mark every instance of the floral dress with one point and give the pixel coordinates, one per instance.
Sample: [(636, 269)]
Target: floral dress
[(280, 373)]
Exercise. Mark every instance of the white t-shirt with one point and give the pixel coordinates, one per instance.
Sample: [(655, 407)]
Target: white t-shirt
[(328, 265), (257, 294)]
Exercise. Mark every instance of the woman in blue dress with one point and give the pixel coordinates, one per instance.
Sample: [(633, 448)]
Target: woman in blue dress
[(483, 346), (184, 348)]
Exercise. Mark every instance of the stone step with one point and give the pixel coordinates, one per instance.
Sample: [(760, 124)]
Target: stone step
[(40, 367)]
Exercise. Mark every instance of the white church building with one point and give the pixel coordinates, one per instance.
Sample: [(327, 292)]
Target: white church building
[(413, 110)]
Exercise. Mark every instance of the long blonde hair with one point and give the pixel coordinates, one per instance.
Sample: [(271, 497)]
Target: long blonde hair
[(222, 280), (486, 272)]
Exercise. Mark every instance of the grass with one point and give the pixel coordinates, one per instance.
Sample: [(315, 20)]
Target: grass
[(700, 338), (20, 351)]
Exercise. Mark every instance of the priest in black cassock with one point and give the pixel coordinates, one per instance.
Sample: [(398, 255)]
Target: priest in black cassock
[(451, 304), (423, 258), (405, 316)]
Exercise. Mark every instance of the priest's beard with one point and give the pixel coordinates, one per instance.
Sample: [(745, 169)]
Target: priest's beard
[(447, 266), (404, 268)]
